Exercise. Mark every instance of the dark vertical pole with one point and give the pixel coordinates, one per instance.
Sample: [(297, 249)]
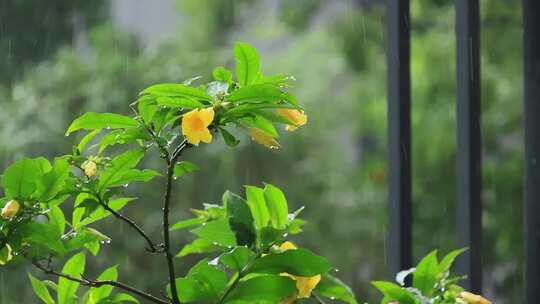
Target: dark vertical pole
[(469, 142), (531, 45), (399, 136)]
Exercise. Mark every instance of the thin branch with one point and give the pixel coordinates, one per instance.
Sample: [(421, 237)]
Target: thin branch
[(152, 247), (166, 207), (95, 283)]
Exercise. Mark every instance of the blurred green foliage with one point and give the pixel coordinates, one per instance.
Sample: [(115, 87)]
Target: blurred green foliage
[(336, 165)]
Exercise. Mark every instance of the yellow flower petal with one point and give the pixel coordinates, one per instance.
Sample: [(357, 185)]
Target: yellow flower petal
[(10, 209), (297, 117), (263, 138), (195, 125), (287, 245), (472, 298), (306, 284)]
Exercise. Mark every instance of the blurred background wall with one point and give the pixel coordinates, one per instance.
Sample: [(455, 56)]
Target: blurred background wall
[(60, 58)]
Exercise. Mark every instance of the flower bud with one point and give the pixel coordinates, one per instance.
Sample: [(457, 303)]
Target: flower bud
[(10, 209), (90, 168)]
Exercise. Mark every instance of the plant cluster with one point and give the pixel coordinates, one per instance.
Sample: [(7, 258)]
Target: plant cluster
[(249, 259), (432, 283)]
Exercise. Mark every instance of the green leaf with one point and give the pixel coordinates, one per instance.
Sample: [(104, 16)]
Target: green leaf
[(132, 175), (179, 102), (394, 292), (92, 121), (248, 108), (295, 226), (265, 289), (177, 90), (120, 165), (184, 167), (187, 223), (301, 262), (19, 179), (425, 275), (84, 236), (97, 294), (237, 259), (258, 93), (41, 290), (121, 298), (123, 136), (198, 246), (333, 288), (261, 123), (218, 232), (86, 139), (257, 205), (52, 182), (448, 260), (222, 74), (229, 139), (247, 63), (147, 106), (5, 254), (203, 283), (43, 239), (277, 206), (101, 213), (57, 219), (240, 218), (67, 289)]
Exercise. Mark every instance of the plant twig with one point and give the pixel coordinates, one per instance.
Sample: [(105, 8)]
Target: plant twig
[(96, 283), (151, 246), (166, 207)]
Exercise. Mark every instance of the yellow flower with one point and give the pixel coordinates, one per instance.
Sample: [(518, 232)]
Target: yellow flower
[(90, 168), (195, 125), (297, 117), (10, 209), (472, 298), (304, 285), (263, 138)]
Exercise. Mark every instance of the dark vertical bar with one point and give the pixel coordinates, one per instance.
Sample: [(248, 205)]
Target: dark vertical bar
[(399, 136), (469, 142), (531, 45)]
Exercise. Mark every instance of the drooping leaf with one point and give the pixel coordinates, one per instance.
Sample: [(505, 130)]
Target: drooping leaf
[(240, 218), (184, 167), (40, 290), (257, 205), (132, 175), (86, 139), (247, 63), (67, 289), (6, 254), (266, 289), (84, 236), (229, 139), (42, 239), (301, 262), (334, 289), (92, 121), (277, 206), (261, 123), (425, 275)]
